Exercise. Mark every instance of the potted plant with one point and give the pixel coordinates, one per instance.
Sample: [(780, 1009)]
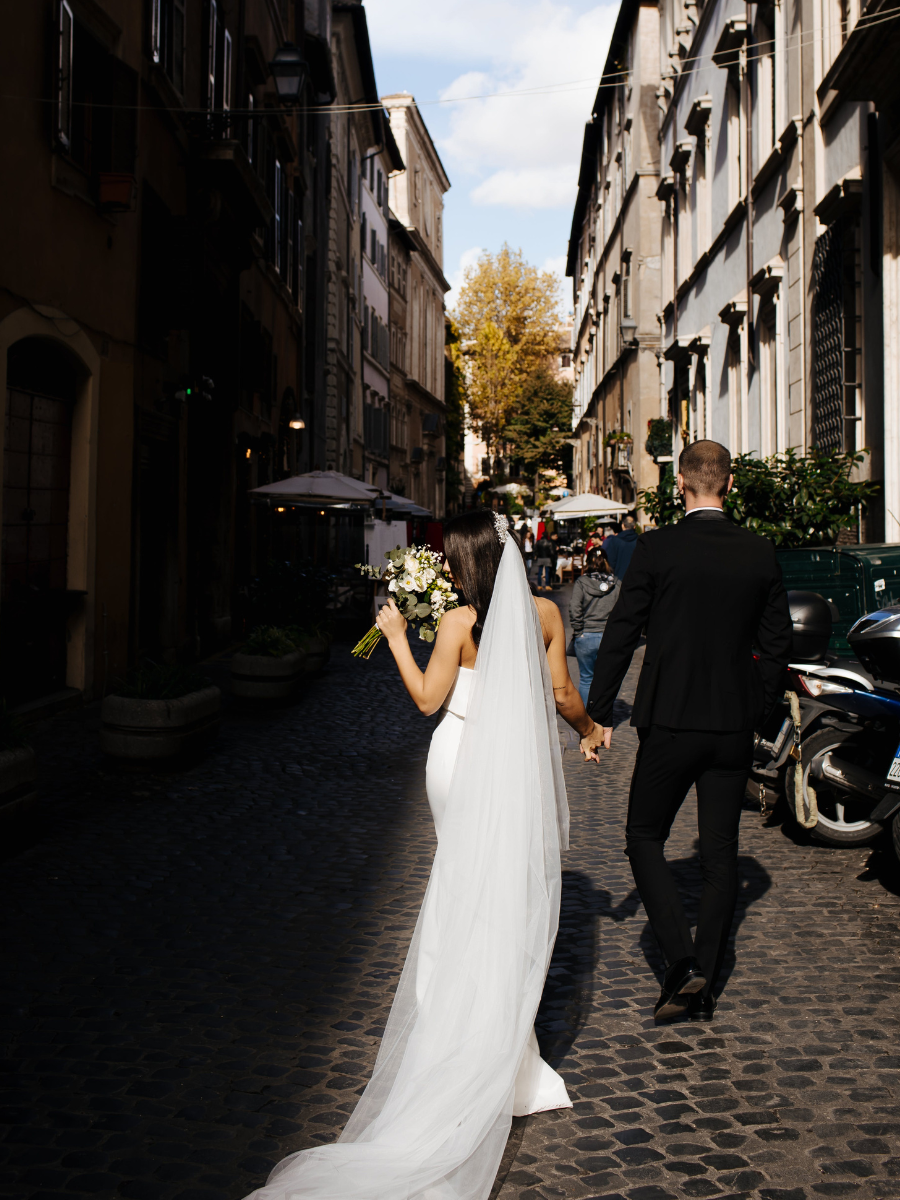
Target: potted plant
[(316, 646), (160, 712), (18, 769), (270, 664)]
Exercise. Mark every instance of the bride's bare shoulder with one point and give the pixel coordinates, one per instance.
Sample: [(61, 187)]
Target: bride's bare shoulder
[(462, 618), (551, 618), (550, 614)]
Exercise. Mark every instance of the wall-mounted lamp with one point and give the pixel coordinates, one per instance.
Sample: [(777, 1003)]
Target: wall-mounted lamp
[(279, 510), (289, 71), (297, 422)]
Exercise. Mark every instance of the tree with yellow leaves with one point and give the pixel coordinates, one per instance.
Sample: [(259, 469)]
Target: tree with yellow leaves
[(508, 322)]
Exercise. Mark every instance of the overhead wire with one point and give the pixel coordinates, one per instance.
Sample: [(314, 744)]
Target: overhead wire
[(607, 79)]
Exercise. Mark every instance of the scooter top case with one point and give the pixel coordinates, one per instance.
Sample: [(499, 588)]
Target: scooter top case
[(875, 639)]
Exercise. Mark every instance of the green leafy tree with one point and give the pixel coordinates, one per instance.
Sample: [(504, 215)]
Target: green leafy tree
[(793, 499), (538, 431)]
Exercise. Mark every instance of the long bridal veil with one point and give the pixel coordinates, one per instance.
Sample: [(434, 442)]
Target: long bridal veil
[(433, 1121)]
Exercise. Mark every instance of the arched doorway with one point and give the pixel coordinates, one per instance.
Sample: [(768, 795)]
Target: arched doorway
[(42, 379)]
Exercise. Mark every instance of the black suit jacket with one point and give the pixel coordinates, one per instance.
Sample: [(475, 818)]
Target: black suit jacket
[(707, 593)]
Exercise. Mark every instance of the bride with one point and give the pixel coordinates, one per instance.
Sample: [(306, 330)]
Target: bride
[(459, 1057)]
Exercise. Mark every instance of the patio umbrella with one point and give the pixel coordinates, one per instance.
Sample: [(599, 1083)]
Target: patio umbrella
[(319, 487), (588, 505)]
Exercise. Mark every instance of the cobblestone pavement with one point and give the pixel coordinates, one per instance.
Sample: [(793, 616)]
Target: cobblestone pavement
[(198, 966)]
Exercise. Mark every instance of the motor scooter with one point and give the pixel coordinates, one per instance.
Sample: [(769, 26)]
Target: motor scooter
[(831, 748)]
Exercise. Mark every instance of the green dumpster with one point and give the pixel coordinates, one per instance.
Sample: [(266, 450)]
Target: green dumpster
[(857, 579)]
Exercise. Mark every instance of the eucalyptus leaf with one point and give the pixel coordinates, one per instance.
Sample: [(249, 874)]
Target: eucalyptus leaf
[(423, 610)]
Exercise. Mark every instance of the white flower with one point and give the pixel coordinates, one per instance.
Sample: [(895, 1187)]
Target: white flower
[(407, 582), (410, 563), (452, 596), (392, 586)]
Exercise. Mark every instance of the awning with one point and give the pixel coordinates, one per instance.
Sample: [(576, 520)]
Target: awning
[(588, 505), (319, 487)]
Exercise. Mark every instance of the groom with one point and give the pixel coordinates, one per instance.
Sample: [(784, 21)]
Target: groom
[(707, 593)]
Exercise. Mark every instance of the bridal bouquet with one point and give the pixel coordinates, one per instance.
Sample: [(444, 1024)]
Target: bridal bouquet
[(416, 580)]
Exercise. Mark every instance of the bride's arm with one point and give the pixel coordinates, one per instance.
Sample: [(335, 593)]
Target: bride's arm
[(429, 688), (569, 704)]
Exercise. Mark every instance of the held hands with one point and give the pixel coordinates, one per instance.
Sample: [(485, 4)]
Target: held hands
[(391, 622), (591, 743)]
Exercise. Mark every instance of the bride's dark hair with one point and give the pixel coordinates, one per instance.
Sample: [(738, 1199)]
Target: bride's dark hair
[(473, 549)]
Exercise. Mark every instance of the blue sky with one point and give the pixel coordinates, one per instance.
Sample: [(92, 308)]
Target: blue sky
[(512, 159)]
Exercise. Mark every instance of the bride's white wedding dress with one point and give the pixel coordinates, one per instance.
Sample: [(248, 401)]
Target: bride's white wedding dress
[(459, 1058), (538, 1087)]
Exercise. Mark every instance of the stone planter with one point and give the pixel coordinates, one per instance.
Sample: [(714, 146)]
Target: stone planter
[(264, 677), (159, 729), (18, 769), (316, 652)]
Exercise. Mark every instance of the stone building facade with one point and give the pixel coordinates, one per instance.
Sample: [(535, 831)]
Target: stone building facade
[(183, 293), (154, 341), (614, 263), (776, 219), (417, 202)]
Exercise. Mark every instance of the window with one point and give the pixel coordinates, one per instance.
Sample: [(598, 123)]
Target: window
[(225, 96), (702, 206), (626, 289), (378, 188), (64, 84), (251, 139), (212, 39), (373, 249), (735, 142), (167, 39), (768, 381), (765, 89), (363, 233), (276, 249), (733, 359), (96, 104)]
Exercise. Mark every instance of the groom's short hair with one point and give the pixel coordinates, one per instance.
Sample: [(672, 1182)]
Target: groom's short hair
[(705, 467)]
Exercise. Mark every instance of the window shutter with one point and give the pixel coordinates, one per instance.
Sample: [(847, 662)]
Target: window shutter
[(155, 30), (64, 77), (289, 277), (226, 73), (276, 249), (211, 55)]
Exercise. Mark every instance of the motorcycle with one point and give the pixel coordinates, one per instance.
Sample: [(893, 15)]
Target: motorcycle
[(831, 748)]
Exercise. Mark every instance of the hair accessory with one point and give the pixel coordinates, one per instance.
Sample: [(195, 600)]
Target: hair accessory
[(502, 526)]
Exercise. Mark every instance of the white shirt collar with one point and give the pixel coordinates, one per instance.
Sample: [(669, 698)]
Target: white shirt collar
[(706, 508)]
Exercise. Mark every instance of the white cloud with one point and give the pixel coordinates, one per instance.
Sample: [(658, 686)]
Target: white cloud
[(524, 149), (468, 258), (517, 150), (528, 187), (557, 264)]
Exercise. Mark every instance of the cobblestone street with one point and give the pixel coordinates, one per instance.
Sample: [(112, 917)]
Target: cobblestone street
[(198, 967)]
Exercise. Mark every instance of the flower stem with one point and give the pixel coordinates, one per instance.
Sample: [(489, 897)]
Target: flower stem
[(367, 643)]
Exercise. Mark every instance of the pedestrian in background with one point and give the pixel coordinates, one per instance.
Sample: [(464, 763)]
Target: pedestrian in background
[(545, 561), (620, 548), (593, 597), (528, 549)]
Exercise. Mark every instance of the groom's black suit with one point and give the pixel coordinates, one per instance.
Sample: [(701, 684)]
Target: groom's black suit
[(707, 593)]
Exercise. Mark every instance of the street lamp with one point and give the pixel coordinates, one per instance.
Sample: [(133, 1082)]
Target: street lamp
[(628, 327), (297, 422), (289, 71)]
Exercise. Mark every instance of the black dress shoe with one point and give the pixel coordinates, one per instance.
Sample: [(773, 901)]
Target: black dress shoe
[(701, 1008), (682, 980)]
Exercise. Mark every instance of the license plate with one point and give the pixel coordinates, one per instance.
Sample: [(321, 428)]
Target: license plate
[(894, 773)]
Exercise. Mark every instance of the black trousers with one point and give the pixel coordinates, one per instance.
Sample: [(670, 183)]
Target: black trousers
[(668, 762)]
